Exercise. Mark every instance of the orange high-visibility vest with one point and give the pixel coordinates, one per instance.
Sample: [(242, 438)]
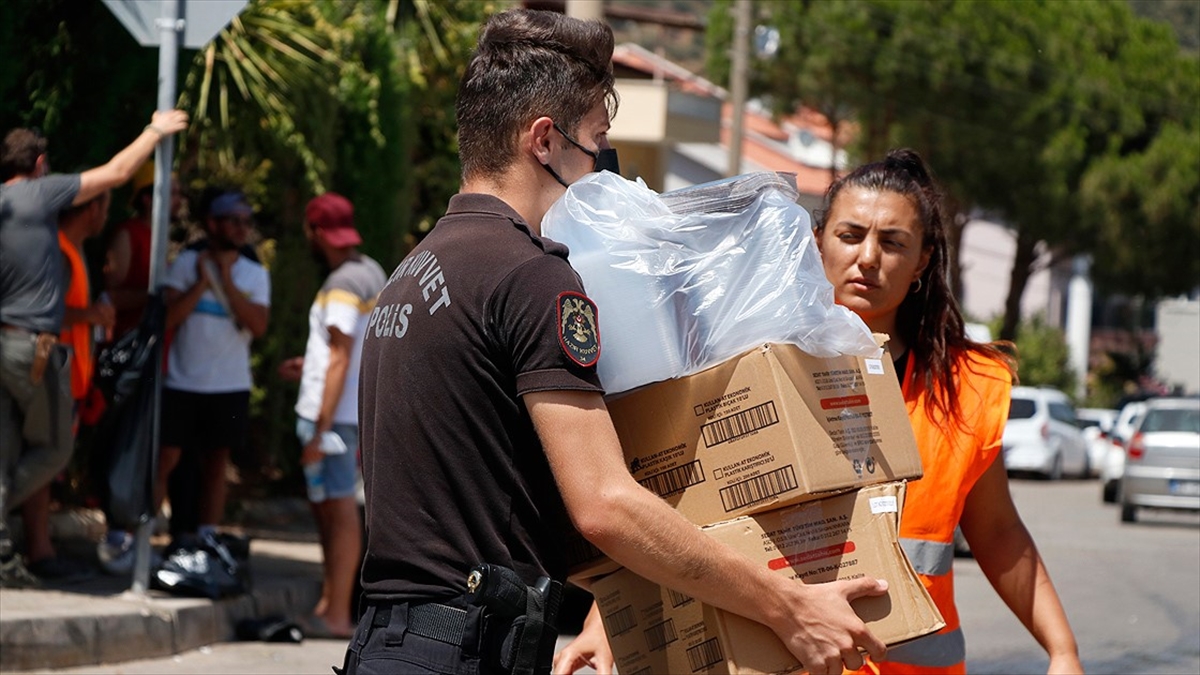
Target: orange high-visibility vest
[(78, 336), (954, 454)]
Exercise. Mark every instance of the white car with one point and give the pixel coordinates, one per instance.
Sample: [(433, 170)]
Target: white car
[(1041, 437), (1096, 425), (1162, 459), (1114, 464)]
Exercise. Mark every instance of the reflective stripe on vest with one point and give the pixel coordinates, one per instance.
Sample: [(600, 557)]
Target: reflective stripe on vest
[(940, 650), (931, 558)]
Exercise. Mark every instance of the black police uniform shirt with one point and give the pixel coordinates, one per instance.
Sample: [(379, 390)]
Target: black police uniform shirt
[(480, 313)]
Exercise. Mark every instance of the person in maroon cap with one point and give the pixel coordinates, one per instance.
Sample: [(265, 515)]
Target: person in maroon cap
[(327, 409)]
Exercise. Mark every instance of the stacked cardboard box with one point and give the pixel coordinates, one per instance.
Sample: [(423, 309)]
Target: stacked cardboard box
[(795, 460)]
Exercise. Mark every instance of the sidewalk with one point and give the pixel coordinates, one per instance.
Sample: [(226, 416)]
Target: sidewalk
[(100, 621)]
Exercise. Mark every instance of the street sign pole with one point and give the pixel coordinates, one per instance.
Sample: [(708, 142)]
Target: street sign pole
[(162, 23), (170, 25)]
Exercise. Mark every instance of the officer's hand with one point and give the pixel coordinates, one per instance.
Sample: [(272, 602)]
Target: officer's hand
[(822, 629), (589, 648)]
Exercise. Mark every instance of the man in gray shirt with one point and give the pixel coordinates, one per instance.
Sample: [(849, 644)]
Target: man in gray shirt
[(35, 391)]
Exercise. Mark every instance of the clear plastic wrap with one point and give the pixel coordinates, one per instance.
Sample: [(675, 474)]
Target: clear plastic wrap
[(690, 278)]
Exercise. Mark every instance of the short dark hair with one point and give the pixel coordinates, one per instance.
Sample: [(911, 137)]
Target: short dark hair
[(529, 63), (22, 147)]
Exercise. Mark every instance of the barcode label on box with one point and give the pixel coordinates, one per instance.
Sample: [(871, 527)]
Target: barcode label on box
[(621, 621), (705, 655), (660, 635), (759, 488), (674, 480), (745, 422), (678, 599), (874, 366)]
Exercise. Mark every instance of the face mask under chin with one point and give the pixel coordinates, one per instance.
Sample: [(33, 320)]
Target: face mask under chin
[(604, 159)]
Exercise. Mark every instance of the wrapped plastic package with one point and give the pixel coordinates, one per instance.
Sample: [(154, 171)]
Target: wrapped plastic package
[(690, 278)]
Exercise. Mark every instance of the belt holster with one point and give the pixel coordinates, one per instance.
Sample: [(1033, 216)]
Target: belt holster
[(41, 356), (528, 645)]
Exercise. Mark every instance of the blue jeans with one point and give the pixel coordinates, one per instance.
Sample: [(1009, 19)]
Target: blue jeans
[(339, 472)]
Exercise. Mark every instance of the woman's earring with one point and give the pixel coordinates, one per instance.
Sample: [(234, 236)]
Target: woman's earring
[(918, 288)]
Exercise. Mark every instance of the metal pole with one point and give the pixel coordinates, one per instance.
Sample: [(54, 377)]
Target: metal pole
[(169, 26), (737, 86)]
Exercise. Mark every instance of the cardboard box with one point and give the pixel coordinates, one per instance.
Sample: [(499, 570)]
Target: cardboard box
[(772, 427), (653, 629)]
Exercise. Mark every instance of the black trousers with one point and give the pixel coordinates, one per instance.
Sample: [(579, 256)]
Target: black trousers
[(385, 643)]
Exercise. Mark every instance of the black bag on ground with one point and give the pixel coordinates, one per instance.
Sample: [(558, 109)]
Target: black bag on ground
[(206, 569)]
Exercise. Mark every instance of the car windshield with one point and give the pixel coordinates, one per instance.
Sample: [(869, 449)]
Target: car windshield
[(1168, 419), (1021, 409)]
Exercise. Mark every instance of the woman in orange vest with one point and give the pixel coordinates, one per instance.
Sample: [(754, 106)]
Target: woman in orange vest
[(882, 238)]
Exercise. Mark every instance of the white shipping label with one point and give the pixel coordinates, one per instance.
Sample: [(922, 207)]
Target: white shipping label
[(883, 505), (874, 366)]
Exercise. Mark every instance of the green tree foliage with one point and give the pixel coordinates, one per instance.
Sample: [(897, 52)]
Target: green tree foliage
[(435, 40), (1146, 208), (1012, 103), (72, 70), (1043, 358)]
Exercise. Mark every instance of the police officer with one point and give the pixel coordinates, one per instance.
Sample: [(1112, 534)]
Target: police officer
[(484, 431)]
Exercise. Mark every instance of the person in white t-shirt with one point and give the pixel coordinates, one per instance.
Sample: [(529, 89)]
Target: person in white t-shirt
[(327, 408), (218, 301)]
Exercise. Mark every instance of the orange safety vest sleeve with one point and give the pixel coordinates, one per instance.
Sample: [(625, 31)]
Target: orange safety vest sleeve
[(79, 335)]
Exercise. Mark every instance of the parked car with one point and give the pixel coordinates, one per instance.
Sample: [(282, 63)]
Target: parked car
[(1097, 426), (1041, 437), (1114, 463), (1162, 459)]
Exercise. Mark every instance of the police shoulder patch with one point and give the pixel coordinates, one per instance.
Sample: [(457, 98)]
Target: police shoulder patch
[(578, 328)]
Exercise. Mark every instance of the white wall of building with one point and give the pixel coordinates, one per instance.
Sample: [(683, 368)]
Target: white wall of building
[(987, 254), (1177, 357)]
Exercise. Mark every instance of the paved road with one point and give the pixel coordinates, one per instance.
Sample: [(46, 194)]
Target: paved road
[(312, 657), (1132, 593)]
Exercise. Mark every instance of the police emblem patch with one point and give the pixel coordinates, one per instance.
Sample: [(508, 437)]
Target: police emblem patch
[(578, 328)]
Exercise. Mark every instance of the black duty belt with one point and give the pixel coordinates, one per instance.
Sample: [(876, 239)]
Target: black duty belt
[(432, 620)]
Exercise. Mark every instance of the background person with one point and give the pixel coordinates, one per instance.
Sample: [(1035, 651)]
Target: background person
[(35, 398), (127, 274), (484, 431), (328, 402), (81, 315), (218, 302), (882, 236)]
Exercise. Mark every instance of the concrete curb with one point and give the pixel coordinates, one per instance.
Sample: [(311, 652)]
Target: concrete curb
[(67, 630), (99, 621)]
